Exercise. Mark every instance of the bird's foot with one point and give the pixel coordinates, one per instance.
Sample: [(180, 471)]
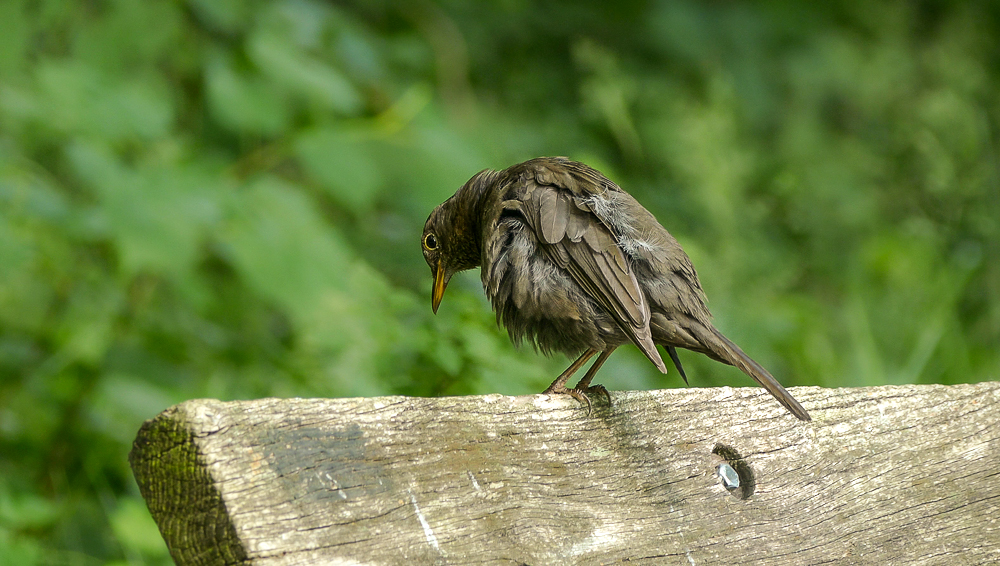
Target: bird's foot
[(581, 395), (597, 390), (577, 394)]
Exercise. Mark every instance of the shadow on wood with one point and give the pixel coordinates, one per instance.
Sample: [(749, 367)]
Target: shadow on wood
[(883, 475)]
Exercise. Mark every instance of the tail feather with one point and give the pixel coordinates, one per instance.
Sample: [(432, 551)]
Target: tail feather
[(677, 363), (726, 351)]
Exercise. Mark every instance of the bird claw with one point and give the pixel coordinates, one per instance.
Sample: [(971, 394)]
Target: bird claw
[(581, 395), (598, 389)]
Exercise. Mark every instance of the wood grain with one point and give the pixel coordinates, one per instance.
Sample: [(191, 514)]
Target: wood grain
[(883, 475)]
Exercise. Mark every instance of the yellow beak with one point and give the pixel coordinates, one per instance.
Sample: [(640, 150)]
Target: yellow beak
[(439, 284)]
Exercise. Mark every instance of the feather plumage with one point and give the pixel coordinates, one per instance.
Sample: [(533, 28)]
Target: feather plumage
[(573, 263)]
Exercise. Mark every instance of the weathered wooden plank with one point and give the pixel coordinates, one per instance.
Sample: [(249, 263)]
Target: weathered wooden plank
[(882, 475)]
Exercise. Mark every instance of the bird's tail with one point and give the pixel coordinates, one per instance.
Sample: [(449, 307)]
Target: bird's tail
[(724, 350)]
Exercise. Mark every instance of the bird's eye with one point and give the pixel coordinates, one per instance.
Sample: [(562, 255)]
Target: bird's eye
[(430, 242)]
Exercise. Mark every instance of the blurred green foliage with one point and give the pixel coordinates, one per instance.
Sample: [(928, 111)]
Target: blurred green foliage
[(218, 198)]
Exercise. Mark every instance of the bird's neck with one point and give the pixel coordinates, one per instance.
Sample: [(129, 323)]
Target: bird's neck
[(471, 204)]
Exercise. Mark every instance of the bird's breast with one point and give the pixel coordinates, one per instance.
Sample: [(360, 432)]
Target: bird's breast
[(535, 299)]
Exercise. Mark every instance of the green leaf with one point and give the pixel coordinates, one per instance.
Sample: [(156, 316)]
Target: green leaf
[(242, 101), (135, 529), (312, 79), (159, 217), (21, 509), (15, 31), (343, 166), (79, 99), (283, 249), (19, 550)]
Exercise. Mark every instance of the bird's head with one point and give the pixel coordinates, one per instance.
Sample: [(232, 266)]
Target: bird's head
[(451, 238)]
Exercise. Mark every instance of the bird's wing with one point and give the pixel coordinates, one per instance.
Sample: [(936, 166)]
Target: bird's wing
[(582, 243), (623, 216)]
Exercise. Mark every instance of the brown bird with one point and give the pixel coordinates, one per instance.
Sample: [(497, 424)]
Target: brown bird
[(574, 264)]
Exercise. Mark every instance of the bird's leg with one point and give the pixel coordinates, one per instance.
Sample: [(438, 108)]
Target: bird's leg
[(559, 385), (584, 386)]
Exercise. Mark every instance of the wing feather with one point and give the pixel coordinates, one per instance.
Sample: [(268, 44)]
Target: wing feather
[(579, 241), (552, 215)]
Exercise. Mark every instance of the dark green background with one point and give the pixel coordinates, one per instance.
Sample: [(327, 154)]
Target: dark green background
[(219, 198)]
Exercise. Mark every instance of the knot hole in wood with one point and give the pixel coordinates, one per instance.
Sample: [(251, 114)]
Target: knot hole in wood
[(742, 487)]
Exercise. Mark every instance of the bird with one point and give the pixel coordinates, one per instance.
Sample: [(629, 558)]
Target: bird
[(574, 264)]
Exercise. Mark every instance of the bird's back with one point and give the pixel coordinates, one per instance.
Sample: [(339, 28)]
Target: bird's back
[(663, 270), (561, 258)]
